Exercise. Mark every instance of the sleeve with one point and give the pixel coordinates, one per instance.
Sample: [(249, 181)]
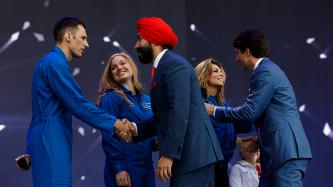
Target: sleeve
[(112, 147), (240, 127), (147, 105), (69, 93), (235, 178), (154, 143), (261, 92), (146, 129), (177, 77)]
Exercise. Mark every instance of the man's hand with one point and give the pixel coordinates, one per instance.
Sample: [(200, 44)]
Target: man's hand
[(210, 108), (123, 179), (124, 130), (163, 170), (129, 125)]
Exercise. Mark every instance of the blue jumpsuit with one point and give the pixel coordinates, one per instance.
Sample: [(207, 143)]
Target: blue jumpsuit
[(55, 98), (135, 158)]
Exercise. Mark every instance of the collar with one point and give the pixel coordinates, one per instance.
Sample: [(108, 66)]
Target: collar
[(158, 58), (125, 90), (245, 163), (257, 63), (59, 51), (212, 99)]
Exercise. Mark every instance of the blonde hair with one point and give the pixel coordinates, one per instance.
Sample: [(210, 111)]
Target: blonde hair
[(203, 71), (108, 83)]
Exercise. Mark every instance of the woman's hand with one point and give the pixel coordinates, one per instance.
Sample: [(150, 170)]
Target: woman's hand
[(123, 179), (210, 108)]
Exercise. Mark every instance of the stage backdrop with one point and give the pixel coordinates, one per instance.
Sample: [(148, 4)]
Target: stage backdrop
[(300, 38)]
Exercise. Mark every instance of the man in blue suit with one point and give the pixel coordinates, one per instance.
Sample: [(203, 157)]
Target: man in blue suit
[(271, 106), (188, 145), (55, 98)]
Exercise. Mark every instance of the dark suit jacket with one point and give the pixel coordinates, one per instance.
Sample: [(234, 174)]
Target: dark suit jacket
[(183, 127), (271, 105)]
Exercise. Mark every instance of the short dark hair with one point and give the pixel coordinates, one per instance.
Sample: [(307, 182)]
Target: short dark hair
[(65, 23), (254, 40)]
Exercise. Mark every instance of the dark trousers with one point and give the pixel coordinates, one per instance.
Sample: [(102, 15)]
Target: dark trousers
[(290, 174), (221, 176), (203, 177)]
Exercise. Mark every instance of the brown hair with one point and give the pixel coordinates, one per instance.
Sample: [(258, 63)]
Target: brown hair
[(66, 24), (108, 83), (204, 70)]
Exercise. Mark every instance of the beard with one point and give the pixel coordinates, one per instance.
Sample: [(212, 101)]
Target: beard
[(145, 54)]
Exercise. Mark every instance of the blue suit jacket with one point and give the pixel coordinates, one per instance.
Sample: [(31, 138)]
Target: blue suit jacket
[(271, 105), (184, 130)]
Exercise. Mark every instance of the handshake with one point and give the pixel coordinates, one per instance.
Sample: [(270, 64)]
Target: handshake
[(125, 130)]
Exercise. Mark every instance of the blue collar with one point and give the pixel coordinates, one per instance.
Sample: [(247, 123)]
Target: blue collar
[(62, 55), (212, 100)]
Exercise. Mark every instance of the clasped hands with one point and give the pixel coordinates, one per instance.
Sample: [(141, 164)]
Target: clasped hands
[(124, 130), (210, 109)]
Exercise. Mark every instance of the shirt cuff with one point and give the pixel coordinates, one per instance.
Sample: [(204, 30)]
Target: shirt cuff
[(135, 133), (214, 111)]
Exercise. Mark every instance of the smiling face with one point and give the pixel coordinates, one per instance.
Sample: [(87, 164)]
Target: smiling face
[(121, 69), (78, 41), (217, 78)]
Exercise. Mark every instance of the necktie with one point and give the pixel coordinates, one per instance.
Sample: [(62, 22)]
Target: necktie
[(152, 72)]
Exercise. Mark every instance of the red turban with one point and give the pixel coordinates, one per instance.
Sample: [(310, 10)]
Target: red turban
[(156, 31)]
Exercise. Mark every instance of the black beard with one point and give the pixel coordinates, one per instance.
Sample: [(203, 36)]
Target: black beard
[(145, 54)]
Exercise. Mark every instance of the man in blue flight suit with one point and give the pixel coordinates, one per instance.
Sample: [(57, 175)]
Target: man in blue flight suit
[(55, 98)]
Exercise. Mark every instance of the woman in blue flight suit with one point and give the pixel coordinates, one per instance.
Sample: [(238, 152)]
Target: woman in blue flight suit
[(211, 77), (121, 94)]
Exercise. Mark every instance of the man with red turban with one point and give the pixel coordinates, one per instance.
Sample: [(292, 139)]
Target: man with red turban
[(188, 146)]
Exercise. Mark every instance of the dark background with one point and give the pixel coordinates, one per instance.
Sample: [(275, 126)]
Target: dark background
[(287, 24)]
